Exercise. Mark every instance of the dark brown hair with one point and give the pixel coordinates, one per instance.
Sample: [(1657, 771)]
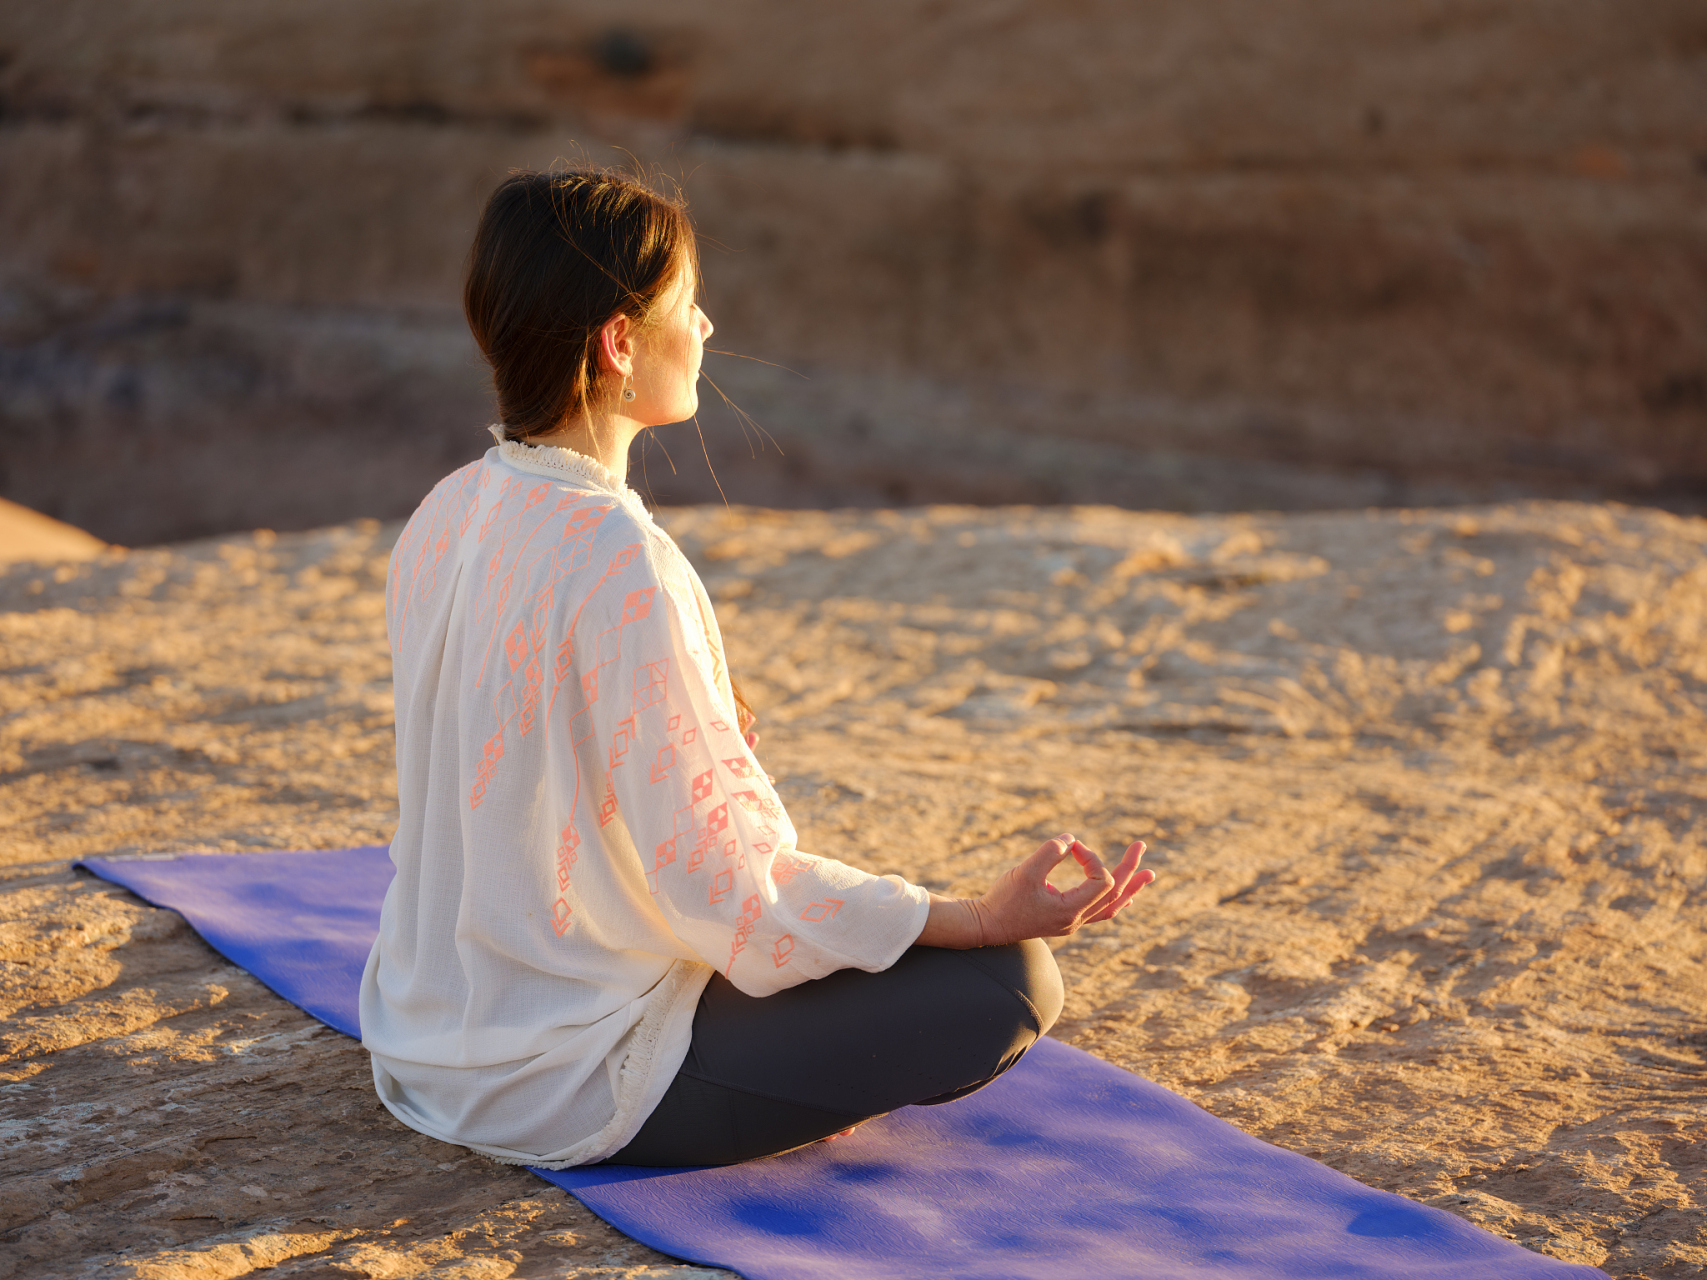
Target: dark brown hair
[(556, 256)]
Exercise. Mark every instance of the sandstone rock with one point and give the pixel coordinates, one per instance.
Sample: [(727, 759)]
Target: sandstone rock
[(29, 535), (1406, 256)]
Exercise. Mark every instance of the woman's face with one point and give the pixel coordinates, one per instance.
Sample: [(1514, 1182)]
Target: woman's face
[(666, 360)]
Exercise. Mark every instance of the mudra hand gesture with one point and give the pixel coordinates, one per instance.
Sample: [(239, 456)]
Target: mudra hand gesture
[(1023, 904)]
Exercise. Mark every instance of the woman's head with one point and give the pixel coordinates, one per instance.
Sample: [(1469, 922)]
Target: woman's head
[(582, 283)]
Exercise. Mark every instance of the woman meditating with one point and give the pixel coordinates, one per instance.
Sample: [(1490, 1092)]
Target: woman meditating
[(602, 942)]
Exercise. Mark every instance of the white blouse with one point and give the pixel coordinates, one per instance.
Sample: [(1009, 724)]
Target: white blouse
[(585, 836)]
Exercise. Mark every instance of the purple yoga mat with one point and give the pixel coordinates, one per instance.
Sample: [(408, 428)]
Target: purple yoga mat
[(1065, 1168)]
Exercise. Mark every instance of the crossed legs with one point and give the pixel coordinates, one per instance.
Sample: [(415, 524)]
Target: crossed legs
[(768, 1075)]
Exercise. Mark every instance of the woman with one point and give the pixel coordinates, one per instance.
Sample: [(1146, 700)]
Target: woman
[(602, 942)]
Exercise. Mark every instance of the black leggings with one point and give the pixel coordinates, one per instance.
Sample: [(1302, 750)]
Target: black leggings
[(768, 1075)]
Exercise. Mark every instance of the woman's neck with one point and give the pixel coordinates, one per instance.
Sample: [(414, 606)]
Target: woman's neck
[(606, 442)]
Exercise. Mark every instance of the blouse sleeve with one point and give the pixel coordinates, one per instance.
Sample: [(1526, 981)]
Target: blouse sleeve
[(715, 845)]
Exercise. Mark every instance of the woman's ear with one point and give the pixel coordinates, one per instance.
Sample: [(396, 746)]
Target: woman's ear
[(616, 346)]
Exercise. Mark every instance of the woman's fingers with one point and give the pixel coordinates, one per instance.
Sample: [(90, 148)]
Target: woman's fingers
[(1023, 904), (1118, 880), (1088, 861), (1127, 881), (1108, 884), (1138, 882), (1124, 875), (1044, 859), (1096, 885), (1129, 864), (1077, 899)]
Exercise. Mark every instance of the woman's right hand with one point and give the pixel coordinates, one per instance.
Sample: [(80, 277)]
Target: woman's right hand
[(1023, 904)]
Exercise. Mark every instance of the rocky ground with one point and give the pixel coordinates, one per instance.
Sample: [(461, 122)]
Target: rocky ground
[(1425, 791)]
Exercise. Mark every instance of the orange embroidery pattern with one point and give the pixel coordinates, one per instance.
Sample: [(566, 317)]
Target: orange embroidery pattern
[(568, 843), (621, 741), (488, 766), (745, 923), (661, 766), (721, 884), (652, 685), (638, 604), (666, 852), (787, 866)]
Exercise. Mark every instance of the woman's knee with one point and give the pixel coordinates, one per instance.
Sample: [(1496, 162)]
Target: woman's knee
[(1043, 982), (999, 1001), (1027, 971), (1038, 981)]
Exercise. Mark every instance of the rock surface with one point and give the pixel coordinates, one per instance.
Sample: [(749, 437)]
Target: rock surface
[(29, 535), (1235, 253), (1425, 790)]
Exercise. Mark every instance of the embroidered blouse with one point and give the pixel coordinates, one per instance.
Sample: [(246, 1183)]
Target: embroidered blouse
[(585, 836)]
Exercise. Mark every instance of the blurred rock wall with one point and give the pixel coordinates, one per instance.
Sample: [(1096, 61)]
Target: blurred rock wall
[(1162, 253)]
